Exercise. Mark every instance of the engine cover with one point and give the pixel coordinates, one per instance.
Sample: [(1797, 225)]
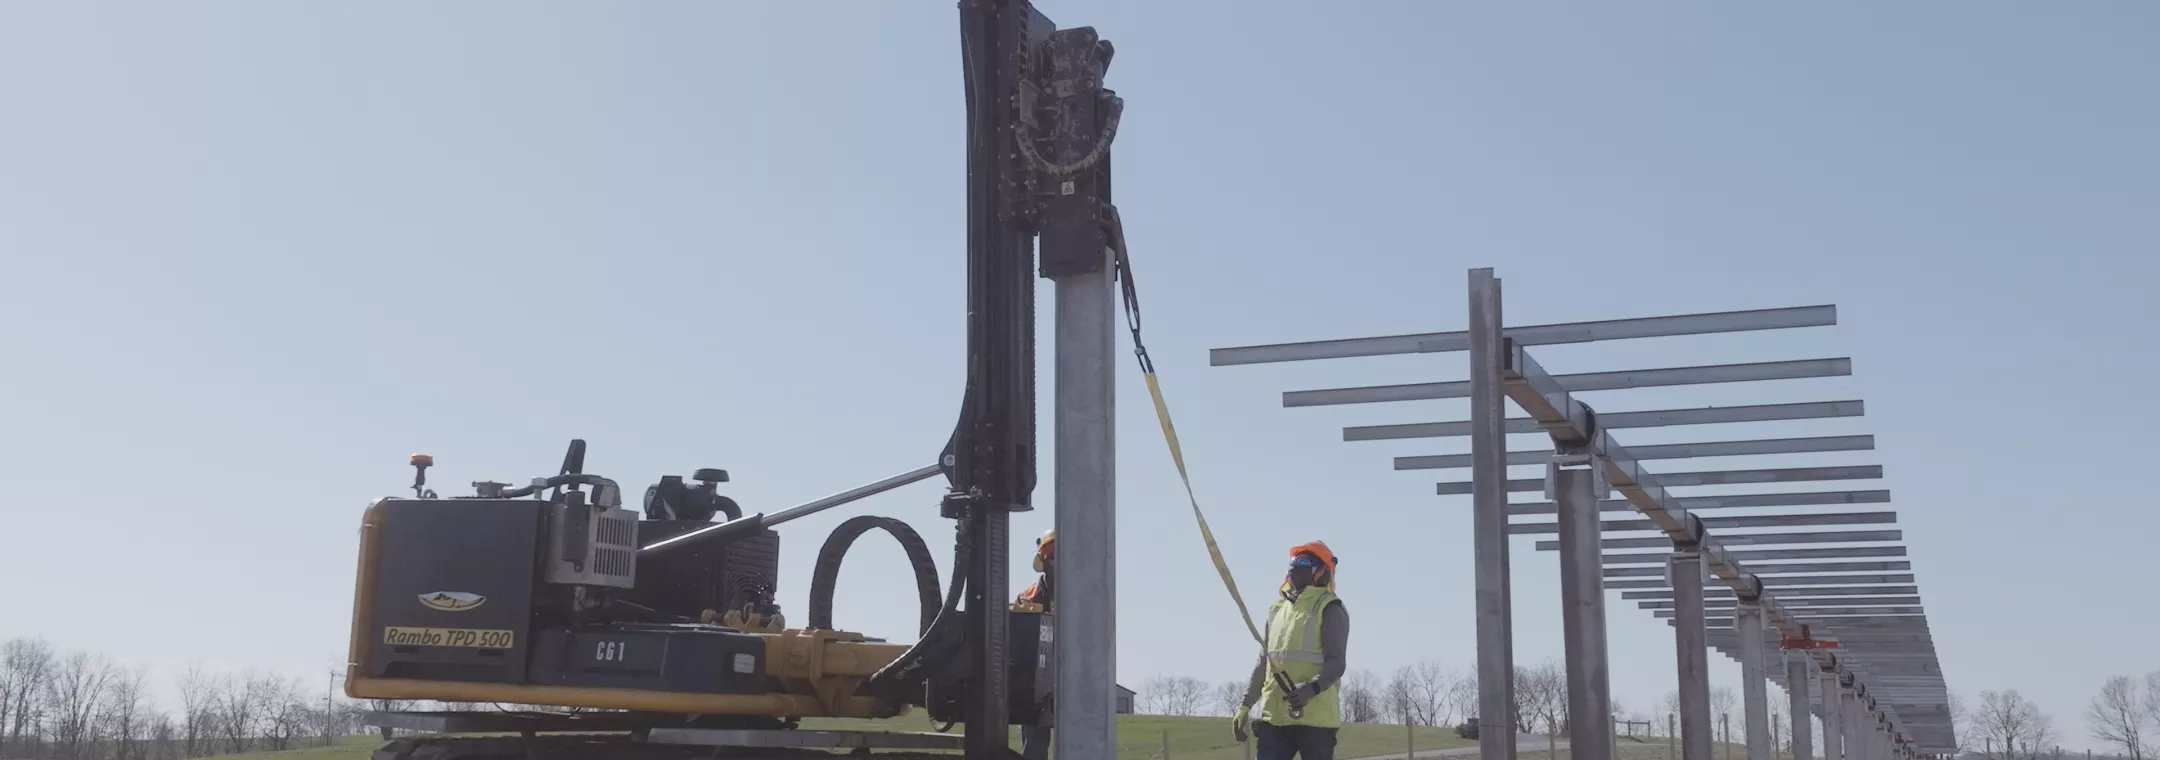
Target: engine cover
[(454, 588)]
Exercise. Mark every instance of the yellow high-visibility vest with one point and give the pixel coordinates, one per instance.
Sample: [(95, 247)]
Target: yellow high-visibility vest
[(1293, 643)]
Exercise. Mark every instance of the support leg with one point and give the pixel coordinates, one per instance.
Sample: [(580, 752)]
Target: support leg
[(1692, 644), (1833, 716), (1085, 623), (1798, 676), (1854, 739), (1489, 523), (1754, 685), (1582, 599)]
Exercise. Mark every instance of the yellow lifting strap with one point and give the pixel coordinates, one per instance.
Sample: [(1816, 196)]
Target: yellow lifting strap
[(1177, 452)]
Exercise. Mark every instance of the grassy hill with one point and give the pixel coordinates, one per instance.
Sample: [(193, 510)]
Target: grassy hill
[(1140, 737)]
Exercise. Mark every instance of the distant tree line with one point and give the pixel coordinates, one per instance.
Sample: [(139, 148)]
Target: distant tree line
[(74, 705)]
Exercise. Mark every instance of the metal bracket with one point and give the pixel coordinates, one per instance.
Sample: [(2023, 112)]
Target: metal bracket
[(1600, 484)]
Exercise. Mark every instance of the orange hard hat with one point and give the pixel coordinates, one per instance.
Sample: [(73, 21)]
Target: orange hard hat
[(1318, 549)]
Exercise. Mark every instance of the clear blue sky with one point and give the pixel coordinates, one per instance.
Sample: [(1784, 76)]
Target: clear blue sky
[(259, 252)]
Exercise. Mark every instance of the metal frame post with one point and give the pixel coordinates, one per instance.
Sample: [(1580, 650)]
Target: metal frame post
[(1085, 621), (1078, 259), (1798, 676), (1691, 641), (1833, 712), (1576, 484), (1853, 741), (1489, 522), (1754, 685)]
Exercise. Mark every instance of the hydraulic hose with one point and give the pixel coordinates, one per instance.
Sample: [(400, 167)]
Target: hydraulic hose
[(827, 573)]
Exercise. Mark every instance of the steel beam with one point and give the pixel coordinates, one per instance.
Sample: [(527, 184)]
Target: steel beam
[(1708, 415), (1796, 593), (1488, 445), (1783, 580), (1730, 501), (1533, 335), (1799, 604), (1759, 555), (1774, 569), (1707, 478), (1764, 539), (1586, 381), (1815, 612), (1761, 447), (1734, 521)]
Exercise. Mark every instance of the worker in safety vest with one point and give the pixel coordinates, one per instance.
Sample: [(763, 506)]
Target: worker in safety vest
[(1308, 632), (1041, 591), (1038, 597)]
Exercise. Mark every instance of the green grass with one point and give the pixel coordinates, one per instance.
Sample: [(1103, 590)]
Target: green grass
[(1140, 737)]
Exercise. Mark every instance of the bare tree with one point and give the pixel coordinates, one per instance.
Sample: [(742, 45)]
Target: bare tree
[(1961, 723), (1462, 695), (1229, 696), (25, 666), (1540, 697), (76, 691), (1361, 701), (1399, 697), (2117, 716), (1429, 683), (1722, 700), (197, 711), (121, 720), (1174, 695), (2013, 724), (2151, 704)]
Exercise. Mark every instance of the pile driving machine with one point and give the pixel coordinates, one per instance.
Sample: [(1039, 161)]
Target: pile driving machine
[(605, 632)]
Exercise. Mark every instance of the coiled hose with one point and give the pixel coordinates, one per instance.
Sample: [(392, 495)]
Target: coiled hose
[(827, 573)]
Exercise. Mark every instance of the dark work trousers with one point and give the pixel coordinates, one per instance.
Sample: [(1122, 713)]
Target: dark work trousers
[(1286, 742)]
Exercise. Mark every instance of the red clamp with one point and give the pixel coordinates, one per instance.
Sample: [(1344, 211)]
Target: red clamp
[(1805, 640)]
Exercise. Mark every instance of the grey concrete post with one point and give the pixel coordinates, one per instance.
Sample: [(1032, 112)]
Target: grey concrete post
[(1692, 649), (1798, 675), (1833, 716), (1853, 722), (1577, 489), (1085, 623), (1489, 523), (1754, 684)]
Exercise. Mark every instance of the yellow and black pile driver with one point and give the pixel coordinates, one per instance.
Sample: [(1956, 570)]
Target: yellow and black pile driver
[(664, 631), (659, 630)]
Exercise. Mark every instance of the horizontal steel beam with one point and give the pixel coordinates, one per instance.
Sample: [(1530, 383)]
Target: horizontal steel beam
[(1755, 539), (1810, 611), (1732, 501), (1780, 581), (1531, 335), (1773, 569), (1729, 603), (1707, 478), (1759, 555), (1586, 381), (1734, 521), (1796, 593), (1708, 415), (1763, 447)]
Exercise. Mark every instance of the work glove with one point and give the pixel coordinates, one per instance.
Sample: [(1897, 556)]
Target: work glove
[(1237, 724), (1301, 695)]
